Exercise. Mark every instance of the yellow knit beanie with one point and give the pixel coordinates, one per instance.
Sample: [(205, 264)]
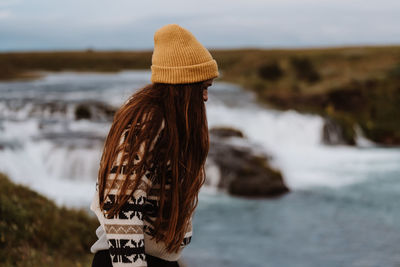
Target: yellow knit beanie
[(178, 57)]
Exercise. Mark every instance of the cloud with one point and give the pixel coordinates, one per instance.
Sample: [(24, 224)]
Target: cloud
[(126, 24), (6, 3), (4, 14)]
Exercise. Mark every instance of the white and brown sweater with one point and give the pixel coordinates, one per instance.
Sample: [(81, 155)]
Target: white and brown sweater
[(128, 234)]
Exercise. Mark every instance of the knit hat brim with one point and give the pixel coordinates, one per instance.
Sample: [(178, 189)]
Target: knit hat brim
[(185, 74)]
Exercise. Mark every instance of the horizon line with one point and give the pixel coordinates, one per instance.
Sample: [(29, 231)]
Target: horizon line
[(145, 50)]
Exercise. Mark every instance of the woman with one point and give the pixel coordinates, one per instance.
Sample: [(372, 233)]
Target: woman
[(152, 166)]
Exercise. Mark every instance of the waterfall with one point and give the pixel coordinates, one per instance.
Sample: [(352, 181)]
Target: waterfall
[(43, 145)]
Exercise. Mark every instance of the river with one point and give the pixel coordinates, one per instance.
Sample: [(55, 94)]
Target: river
[(342, 209)]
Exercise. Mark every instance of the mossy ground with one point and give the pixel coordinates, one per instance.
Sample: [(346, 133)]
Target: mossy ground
[(34, 231), (352, 85)]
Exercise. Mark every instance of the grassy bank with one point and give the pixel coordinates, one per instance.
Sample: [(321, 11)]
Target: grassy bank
[(35, 232), (21, 64), (352, 85)]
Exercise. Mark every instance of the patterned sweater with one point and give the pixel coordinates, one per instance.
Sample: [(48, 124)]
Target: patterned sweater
[(128, 234)]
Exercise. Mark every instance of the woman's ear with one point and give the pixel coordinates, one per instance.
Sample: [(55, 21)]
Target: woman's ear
[(207, 83)]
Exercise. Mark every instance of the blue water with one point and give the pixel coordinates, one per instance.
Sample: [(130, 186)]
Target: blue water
[(356, 225)]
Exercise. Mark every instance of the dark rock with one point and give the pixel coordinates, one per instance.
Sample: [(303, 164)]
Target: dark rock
[(94, 110), (267, 182), (225, 132), (82, 112), (244, 170), (337, 132)]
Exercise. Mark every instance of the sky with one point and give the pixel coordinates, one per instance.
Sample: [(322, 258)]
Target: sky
[(29, 25)]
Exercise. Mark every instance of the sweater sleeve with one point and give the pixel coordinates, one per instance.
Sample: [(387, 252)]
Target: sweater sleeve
[(125, 231)]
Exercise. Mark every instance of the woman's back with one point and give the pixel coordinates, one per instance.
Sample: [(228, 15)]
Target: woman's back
[(133, 227)]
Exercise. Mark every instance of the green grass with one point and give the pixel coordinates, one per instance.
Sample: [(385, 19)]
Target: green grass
[(352, 85), (36, 232)]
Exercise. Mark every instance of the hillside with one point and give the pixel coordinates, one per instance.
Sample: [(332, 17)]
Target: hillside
[(36, 232)]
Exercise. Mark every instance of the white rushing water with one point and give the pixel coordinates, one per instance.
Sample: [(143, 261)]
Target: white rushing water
[(43, 146)]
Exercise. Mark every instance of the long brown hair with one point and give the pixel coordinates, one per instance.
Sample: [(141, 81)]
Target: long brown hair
[(178, 156)]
